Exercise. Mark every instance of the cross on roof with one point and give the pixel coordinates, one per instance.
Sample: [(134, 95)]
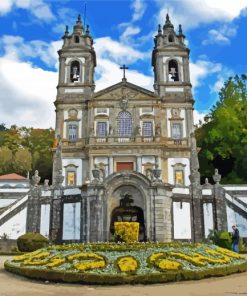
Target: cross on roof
[(124, 68)]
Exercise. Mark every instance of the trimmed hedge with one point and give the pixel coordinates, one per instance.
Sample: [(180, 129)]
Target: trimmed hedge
[(31, 241), (107, 279)]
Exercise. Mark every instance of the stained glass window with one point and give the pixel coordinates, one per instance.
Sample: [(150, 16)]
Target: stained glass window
[(147, 129), (124, 124), (101, 129)]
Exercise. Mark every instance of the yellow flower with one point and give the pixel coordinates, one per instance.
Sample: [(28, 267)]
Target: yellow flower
[(127, 264), (128, 231), (164, 264)]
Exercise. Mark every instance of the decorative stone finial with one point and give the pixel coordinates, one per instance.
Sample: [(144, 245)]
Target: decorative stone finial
[(168, 23), (79, 19), (36, 178), (216, 176), (159, 29), (180, 31), (87, 30), (66, 33)]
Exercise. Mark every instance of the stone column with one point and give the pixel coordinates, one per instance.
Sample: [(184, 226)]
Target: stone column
[(219, 204), (33, 210), (56, 213)]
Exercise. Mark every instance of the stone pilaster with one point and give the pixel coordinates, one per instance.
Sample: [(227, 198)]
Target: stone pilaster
[(162, 209)]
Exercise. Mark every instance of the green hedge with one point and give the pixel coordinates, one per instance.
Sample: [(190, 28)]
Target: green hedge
[(31, 241), (106, 279)]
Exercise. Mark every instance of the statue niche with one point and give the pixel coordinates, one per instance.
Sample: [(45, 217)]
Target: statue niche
[(126, 212)]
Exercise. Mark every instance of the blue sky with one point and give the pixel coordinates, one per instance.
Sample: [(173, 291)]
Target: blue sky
[(123, 32)]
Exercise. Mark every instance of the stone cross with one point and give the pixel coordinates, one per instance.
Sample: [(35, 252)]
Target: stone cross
[(124, 68)]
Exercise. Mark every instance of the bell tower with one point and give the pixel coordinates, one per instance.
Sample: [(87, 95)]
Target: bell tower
[(77, 61), (170, 61)]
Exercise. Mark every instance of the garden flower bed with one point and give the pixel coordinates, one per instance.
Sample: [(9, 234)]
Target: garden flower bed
[(110, 263)]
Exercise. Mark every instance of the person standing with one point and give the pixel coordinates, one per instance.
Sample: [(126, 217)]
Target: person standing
[(235, 239)]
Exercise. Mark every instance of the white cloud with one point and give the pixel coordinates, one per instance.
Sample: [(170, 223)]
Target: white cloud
[(191, 13), (27, 94), (221, 35), (16, 48), (118, 52), (37, 7), (109, 74), (139, 8), (202, 68), (129, 32), (222, 77), (199, 117)]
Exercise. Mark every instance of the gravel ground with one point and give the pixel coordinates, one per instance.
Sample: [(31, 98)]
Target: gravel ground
[(13, 285)]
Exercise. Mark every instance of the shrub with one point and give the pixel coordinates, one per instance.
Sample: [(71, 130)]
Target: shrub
[(221, 238), (31, 241)]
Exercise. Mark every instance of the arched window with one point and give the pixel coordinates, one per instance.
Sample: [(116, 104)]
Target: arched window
[(74, 71), (171, 38), (173, 70), (76, 38), (124, 124)]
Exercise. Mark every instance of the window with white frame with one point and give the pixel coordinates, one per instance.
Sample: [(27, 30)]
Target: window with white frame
[(124, 124), (102, 129), (147, 129), (177, 130), (72, 132)]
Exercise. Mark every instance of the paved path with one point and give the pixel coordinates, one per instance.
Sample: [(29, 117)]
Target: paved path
[(233, 285)]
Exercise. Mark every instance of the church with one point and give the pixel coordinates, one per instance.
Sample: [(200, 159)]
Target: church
[(126, 153)]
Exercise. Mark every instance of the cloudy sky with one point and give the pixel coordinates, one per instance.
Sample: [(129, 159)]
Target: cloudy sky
[(123, 33)]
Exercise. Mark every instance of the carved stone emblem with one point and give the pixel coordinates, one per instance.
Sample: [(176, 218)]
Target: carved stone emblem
[(176, 112)]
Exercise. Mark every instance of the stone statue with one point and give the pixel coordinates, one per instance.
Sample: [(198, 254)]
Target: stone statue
[(216, 176), (36, 178), (111, 130), (157, 130)]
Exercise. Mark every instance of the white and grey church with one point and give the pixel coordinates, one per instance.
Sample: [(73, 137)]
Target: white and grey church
[(125, 153)]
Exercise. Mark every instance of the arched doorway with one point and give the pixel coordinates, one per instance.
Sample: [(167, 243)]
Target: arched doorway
[(128, 207)]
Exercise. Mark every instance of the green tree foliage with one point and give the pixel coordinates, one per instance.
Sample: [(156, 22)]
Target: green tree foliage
[(223, 139), (26, 149)]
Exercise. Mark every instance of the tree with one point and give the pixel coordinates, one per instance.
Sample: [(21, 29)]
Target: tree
[(223, 139), (25, 149)]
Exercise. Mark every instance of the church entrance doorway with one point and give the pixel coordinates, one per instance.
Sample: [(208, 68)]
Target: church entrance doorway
[(127, 211)]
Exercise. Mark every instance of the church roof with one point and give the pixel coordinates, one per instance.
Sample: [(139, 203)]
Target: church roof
[(125, 84), (12, 176)]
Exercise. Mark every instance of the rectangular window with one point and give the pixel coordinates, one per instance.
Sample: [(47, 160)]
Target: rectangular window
[(72, 128), (177, 131), (101, 129), (71, 178), (147, 129), (179, 177)]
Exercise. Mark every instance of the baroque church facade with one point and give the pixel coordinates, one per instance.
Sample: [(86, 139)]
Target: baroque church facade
[(125, 145), (125, 153)]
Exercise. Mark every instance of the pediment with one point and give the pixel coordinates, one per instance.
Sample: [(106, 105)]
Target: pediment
[(124, 90)]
